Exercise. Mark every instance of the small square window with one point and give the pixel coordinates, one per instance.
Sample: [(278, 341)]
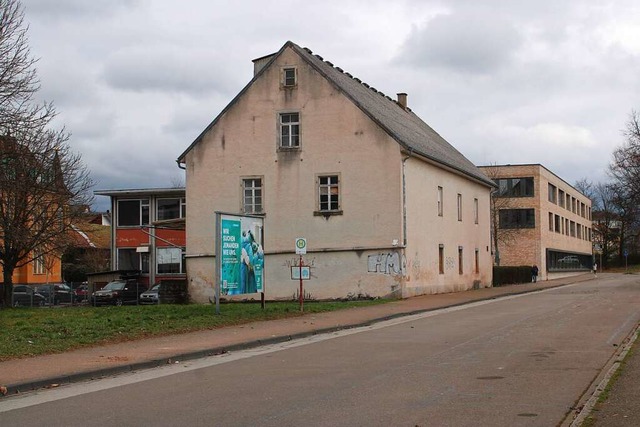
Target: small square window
[(289, 77)]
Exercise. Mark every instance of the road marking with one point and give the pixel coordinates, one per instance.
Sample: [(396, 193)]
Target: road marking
[(76, 389)]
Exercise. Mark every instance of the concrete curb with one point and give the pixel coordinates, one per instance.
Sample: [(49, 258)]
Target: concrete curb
[(51, 382), (589, 399)]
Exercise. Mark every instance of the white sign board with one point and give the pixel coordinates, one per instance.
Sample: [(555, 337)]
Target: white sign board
[(301, 246)]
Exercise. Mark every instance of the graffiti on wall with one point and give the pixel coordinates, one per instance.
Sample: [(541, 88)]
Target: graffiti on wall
[(392, 263), (450, 263), (295, 262)]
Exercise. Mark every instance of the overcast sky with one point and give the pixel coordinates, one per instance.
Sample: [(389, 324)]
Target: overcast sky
[(533, 81)]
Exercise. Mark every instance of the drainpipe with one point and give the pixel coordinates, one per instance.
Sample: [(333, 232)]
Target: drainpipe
[(404, 199)]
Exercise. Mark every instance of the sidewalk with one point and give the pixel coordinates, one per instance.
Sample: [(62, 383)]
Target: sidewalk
[(23, 375)]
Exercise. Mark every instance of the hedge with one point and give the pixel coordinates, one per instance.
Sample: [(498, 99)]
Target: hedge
[(511, 275)]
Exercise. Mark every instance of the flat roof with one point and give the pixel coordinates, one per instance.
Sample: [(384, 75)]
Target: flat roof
[(140, 191)]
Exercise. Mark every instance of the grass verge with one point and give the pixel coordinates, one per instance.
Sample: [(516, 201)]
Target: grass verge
[(28, 332), (592, 418)]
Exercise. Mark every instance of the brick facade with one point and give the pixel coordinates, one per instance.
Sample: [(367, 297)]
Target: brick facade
[(560, 242)]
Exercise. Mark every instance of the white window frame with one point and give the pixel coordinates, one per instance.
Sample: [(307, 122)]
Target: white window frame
[(140, 262), (253, 207), (181, 207), (292, 138), (459, 207), (331, 188), (142, 204), (440, 201), (174, 250), (286, 82), (39, 266)]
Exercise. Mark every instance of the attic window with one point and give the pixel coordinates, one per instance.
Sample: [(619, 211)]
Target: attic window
[(289, 77)]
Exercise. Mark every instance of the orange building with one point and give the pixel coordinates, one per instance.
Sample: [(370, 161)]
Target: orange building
[(44, 269)]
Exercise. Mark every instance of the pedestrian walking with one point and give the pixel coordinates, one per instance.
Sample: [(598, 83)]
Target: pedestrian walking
[(534, 274), (595, 269)]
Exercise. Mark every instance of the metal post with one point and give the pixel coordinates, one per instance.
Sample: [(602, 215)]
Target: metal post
[(601, 266), (218, 262), (301, 288)]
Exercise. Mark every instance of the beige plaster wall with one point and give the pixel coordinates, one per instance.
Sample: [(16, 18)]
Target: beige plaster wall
[(336, 138), (427, 230)]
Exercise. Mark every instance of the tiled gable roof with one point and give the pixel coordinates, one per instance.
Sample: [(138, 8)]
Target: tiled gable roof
[(404, 126)]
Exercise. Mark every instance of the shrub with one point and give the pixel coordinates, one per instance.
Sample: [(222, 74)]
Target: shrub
[(511, 275)]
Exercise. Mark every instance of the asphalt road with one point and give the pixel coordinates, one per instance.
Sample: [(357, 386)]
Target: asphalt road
[(519, 361)]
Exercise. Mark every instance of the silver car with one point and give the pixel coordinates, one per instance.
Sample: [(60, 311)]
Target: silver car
[(151, 296)]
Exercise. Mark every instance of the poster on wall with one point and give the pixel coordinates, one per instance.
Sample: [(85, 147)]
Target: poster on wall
[(240, 254)]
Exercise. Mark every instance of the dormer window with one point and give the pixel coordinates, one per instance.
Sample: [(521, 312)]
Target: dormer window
[(289, 77)]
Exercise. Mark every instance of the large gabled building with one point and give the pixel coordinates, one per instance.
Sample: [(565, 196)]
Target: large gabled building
[(388, 206)]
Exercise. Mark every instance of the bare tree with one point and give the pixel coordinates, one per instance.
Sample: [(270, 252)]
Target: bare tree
[(626, 206), (177, 181), (625, 167), (625, 171), (606, 222), (500, 237), (587, 188), (41, 180), (18, 79)]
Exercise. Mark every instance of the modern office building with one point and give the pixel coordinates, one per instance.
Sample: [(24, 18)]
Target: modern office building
[(541, 220)]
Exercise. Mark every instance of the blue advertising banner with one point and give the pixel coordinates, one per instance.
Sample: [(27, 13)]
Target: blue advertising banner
[(242, 255)]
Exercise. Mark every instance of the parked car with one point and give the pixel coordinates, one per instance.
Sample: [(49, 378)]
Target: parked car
[(569, 260), (26, 296), (118, 292), (56, 293), (81, 293), (151, 296)]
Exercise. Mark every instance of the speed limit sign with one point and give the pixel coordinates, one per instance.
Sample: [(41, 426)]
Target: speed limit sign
[(301, 246)]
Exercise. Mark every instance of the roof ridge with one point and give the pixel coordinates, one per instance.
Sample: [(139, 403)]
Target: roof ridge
[(411, 132), (306, 49)]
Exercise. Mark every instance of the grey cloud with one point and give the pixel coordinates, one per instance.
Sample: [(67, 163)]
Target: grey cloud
[(167, 69), (63, 9), (462, 42)]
